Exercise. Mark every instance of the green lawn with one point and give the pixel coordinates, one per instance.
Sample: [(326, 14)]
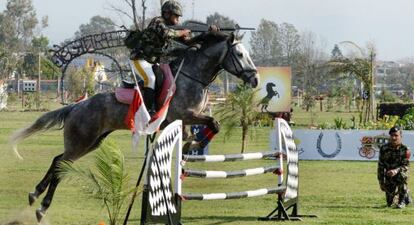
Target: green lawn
[(339, 192), (316, 117)]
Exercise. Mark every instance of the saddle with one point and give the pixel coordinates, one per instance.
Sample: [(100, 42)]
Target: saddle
[(165, 82)]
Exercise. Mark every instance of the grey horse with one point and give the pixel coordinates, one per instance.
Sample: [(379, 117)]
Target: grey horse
[(87, 123)]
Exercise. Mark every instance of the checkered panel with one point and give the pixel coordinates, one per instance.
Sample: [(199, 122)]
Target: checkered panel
[(159, 194), (160, 190)]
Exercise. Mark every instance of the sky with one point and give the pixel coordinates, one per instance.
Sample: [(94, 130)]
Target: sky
[(388, 24)]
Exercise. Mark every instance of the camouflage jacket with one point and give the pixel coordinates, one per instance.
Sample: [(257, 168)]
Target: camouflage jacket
[(392, 158), (155, 39)]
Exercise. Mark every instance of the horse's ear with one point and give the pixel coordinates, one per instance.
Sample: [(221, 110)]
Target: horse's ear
[(240, 37)]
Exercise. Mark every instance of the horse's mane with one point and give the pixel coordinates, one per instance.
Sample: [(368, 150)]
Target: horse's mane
[(199, 44), (208, 39)]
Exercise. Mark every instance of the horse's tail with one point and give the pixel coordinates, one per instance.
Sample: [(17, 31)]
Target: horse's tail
[(43, 123)]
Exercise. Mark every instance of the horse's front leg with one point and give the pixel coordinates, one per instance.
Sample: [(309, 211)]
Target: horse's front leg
[(211, 129)]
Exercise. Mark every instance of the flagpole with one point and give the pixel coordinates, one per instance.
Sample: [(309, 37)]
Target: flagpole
[(133, 74), (175, 79), (134, 194), (179, 69)]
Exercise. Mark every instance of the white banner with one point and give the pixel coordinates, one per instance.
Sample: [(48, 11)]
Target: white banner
[(342, 144)]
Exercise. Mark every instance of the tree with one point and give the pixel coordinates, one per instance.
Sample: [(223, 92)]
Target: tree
[(289, 40), (97, 24), (275, 45), (361, 66), (4, 64), (138, 21), (38, 47), (18, 22), (109, 183), (336, 52), (41, 44), (309, 63), (239, 110), (265, 45), (80, 82), (17, 27), (220, 20)]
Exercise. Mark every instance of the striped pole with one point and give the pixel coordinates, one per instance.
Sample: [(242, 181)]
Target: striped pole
[(234, 195), (229, 157), (229, 174), (285, 146)]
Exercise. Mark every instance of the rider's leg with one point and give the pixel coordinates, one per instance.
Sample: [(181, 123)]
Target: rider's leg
[(149, 99), (144, 69)]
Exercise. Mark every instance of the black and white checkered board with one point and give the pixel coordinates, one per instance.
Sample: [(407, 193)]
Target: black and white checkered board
[(158, 198)]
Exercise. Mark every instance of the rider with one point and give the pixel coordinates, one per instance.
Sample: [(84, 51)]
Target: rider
[(153, 42)]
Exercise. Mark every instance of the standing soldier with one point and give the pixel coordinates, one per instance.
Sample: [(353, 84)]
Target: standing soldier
[(393, 166)]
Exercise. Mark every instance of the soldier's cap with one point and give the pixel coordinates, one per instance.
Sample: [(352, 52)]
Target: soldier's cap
[(394, 129)]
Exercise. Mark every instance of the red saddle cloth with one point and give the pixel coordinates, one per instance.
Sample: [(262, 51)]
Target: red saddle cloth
[(126, 95)]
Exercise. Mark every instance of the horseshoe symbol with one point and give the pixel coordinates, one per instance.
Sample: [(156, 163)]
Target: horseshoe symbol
[(335, 153)]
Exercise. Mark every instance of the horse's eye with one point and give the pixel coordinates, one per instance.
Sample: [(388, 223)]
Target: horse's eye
[(240, 54)]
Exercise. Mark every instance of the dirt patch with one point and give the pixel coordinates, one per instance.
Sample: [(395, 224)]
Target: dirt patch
[(23, 217)]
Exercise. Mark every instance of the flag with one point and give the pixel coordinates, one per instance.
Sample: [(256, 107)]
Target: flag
[(138, 119), (82, 98)]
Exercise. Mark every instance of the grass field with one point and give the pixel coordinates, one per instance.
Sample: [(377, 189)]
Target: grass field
[(339, 192)]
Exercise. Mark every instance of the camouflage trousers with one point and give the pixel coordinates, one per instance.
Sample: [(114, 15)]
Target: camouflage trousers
[(396, 186)]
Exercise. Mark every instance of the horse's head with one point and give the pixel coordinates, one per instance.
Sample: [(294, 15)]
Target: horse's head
[(214, 52), (236, 60)]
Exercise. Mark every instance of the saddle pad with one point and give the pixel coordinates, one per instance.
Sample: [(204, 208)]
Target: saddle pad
[(124, 95)]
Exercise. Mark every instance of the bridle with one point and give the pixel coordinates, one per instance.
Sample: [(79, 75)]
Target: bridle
[(229, 52), (236, 63)]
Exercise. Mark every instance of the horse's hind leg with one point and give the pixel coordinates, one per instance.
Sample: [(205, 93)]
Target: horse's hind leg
[(72, 153), (41, 187), (53, 181)]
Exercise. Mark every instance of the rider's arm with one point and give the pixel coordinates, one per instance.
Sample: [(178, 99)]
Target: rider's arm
[(166, 32)]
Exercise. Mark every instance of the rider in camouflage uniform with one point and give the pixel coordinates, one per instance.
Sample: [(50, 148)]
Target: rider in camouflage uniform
[(151, 49), (393, 166)]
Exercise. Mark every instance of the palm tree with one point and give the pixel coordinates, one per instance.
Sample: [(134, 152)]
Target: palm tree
[(109, 183), (362, 67), (240, 109)]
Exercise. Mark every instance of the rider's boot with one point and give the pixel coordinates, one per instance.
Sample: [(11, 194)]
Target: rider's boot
[(149, 100)]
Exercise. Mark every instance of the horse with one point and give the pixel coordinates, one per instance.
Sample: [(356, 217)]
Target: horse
[(270, 94), (86, 123)]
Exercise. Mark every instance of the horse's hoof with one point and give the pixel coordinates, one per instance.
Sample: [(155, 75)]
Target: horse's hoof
[(190, 146), (186, 148), (32, 198), (40, 214)]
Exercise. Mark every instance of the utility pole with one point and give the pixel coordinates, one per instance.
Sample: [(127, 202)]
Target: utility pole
[(39, 72), (372, 58)]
